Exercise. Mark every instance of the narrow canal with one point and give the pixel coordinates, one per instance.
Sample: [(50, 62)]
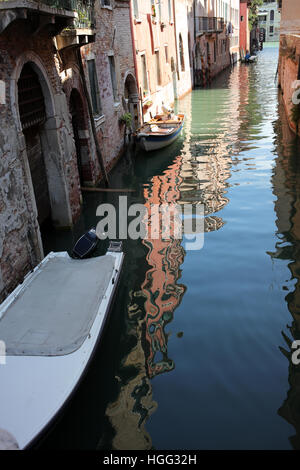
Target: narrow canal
[(193, 356)]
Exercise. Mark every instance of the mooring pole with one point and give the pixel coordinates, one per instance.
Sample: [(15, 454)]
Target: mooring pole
[(91, 115)]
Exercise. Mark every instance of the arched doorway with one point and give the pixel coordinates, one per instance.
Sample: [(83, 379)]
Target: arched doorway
[(131, 100), (33, 116), (79, 125), (44, 157)]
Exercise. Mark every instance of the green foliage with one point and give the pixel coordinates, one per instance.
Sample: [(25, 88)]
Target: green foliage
[(126, 119), (253, 12)]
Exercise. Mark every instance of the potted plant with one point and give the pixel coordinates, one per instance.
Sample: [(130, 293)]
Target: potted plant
[(127, 120)]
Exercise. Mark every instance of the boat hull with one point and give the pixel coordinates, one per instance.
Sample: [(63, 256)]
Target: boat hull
[(34, 389), (150, 142)]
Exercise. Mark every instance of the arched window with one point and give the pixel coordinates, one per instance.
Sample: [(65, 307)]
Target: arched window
[(181, 53), (31, 98)]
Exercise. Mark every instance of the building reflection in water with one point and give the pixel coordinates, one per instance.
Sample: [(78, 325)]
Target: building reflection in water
[(149, 311), (286, 186), (160, 288), (198, 175), (208, 154)]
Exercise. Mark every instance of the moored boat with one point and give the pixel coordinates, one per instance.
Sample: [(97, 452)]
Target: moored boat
[(160, 132), (50, 326)]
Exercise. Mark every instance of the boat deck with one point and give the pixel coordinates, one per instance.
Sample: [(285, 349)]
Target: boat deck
[(54, 314), (51, 325)]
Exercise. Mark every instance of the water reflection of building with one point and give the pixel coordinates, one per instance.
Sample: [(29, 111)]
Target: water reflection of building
[(134, 404), (286, 184), (207, 158), (199, 175), (160, 287), (150, 309)]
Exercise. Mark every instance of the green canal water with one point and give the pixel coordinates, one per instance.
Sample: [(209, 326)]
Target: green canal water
[(193, 356)]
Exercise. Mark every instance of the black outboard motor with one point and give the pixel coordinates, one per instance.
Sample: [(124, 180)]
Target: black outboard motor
[(86, 244)]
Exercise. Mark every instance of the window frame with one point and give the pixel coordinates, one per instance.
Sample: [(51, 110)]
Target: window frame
[(113, 77), (94, 88)]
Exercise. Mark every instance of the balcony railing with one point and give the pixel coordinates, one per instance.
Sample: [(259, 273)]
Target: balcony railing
[(83, 8), (58, 4), (205, 24), (85, 12)]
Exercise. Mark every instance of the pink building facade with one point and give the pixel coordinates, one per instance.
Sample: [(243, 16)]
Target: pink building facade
[(289, 61)]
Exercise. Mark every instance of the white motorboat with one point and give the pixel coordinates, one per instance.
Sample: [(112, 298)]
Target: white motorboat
[(50, 326)]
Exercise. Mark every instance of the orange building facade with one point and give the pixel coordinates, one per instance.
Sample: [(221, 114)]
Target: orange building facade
[(154, 43), (244, 25), (289, 59)]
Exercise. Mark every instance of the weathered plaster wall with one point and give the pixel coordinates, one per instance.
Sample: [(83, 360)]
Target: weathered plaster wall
[(290, 17), (288, 71), (184, 27), (244, 27), (20, 243), (154, 34), (112, 26)]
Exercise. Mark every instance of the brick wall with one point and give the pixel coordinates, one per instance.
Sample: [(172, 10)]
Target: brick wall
[(112, 27), (288, 71), (20, 243)]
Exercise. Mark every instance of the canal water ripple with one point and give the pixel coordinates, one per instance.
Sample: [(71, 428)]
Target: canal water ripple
[(197, 350)]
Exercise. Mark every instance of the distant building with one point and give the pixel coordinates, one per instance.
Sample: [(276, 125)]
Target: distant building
[(217, 25), (244, 25), (269, 20), (162, 52)]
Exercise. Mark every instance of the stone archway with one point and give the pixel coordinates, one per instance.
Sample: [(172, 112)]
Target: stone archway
[(131, 97), (40, 143), (33, 116)]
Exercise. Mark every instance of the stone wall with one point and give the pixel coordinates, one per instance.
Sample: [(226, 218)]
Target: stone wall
[(20, 242), (58, 72)]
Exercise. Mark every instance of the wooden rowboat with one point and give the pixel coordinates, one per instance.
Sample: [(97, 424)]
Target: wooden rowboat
[(159, 132)]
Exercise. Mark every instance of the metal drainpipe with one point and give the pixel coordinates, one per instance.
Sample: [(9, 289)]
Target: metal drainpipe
[(175, 32), (134, 59)]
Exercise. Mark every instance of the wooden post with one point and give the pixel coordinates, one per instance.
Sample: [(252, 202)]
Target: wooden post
[(91, 115), (203, 71)]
